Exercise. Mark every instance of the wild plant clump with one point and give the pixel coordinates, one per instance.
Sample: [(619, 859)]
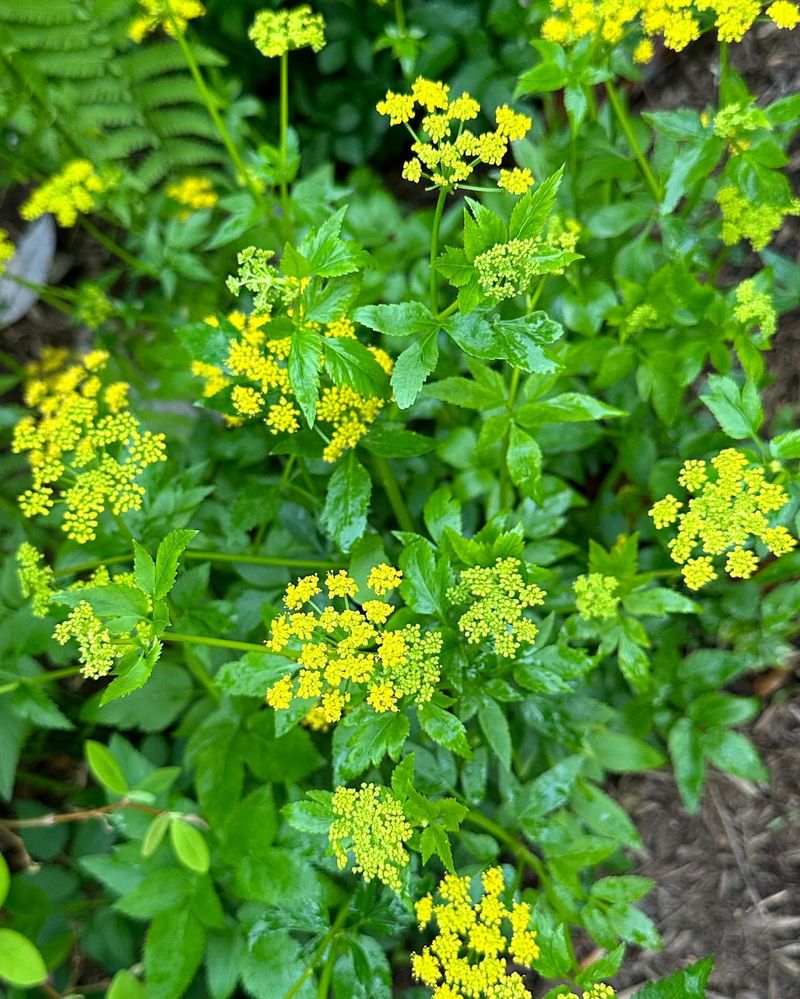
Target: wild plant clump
[(404, 476)]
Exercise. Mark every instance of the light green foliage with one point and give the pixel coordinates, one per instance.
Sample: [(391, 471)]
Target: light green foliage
[(465, 504)]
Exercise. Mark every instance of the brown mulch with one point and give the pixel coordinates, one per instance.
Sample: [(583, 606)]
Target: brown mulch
[(727, 881)]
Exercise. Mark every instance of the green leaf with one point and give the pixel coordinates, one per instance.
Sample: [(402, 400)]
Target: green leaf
[(309, 816), (412, 368), (494, 725), (568, 407), (542, 79), (732, 752), (529, 215), (467, 393), (786, 446), (5, 880), (173, 952), (687, 984), (603, 968), (21, 964), (688, 765), (434, 840), (603, 815), (167, 559), (344, 516), (253, 674), (555, 958), (364, 738), (625, 888), (550, 790), (444, 728), (207, 343), (104, 767), (524, 460), (159, 890), (406, 319), (738, 413), (390, 441), (189, 845), (134, 676), (329, 255), (348, 362), (125, 985), (659, 601), (155, 834), (713, 709), (425, 580), (304, 364), (144, 569), (620, 753)]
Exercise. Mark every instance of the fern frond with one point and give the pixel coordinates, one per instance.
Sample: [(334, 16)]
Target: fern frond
[(49, 12), (125, 141), (183, 121), (175, 88), (75, 65), (174, 155)]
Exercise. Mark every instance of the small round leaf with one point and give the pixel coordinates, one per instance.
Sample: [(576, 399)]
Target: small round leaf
[(189, 846), (21, 964), (105, 768)]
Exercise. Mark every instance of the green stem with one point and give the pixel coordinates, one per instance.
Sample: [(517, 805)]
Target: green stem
[(533, 300), (284, 141), (116, 249), (633, 142), (437, 222), (324, 988), (35, 681), (319, 953), (204, 556), (400, 17), (44, 292), (506, 489), (451, 308), (200, 673), (217, 643), (205, 94), (384, 472)]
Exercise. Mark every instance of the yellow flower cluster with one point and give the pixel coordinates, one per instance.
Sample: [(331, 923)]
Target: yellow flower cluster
[(515, 181), (83, 433), (371, 823), (339, 648), (468, 958), (92, 306), (745, 219), (7, 250), (678, 21), (596, 595), (67, 194), (498, 596), (754, 307), (194, 193), (36, 578), (446, 160), (261, 362), (171, 15), (97, 649), (597, 991), (276, 32), (725, 512)]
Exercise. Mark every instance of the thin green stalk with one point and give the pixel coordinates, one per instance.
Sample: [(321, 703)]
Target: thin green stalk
[(384, 472), (633, 142), (218, 643), (45, 293), (205, 94), (400, 17), (193, 554), (506, 491), (119, 251), (437, 222), (279, 561), (533, 300), (40, 678), (324, 987), (284, 140), (200, 673), (451, 308), (319, 953)]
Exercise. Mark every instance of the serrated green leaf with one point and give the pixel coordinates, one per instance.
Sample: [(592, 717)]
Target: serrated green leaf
[(344, 515)]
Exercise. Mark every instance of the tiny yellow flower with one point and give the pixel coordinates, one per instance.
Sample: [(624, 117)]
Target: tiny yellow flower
[(515, 181), (276, 32)]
